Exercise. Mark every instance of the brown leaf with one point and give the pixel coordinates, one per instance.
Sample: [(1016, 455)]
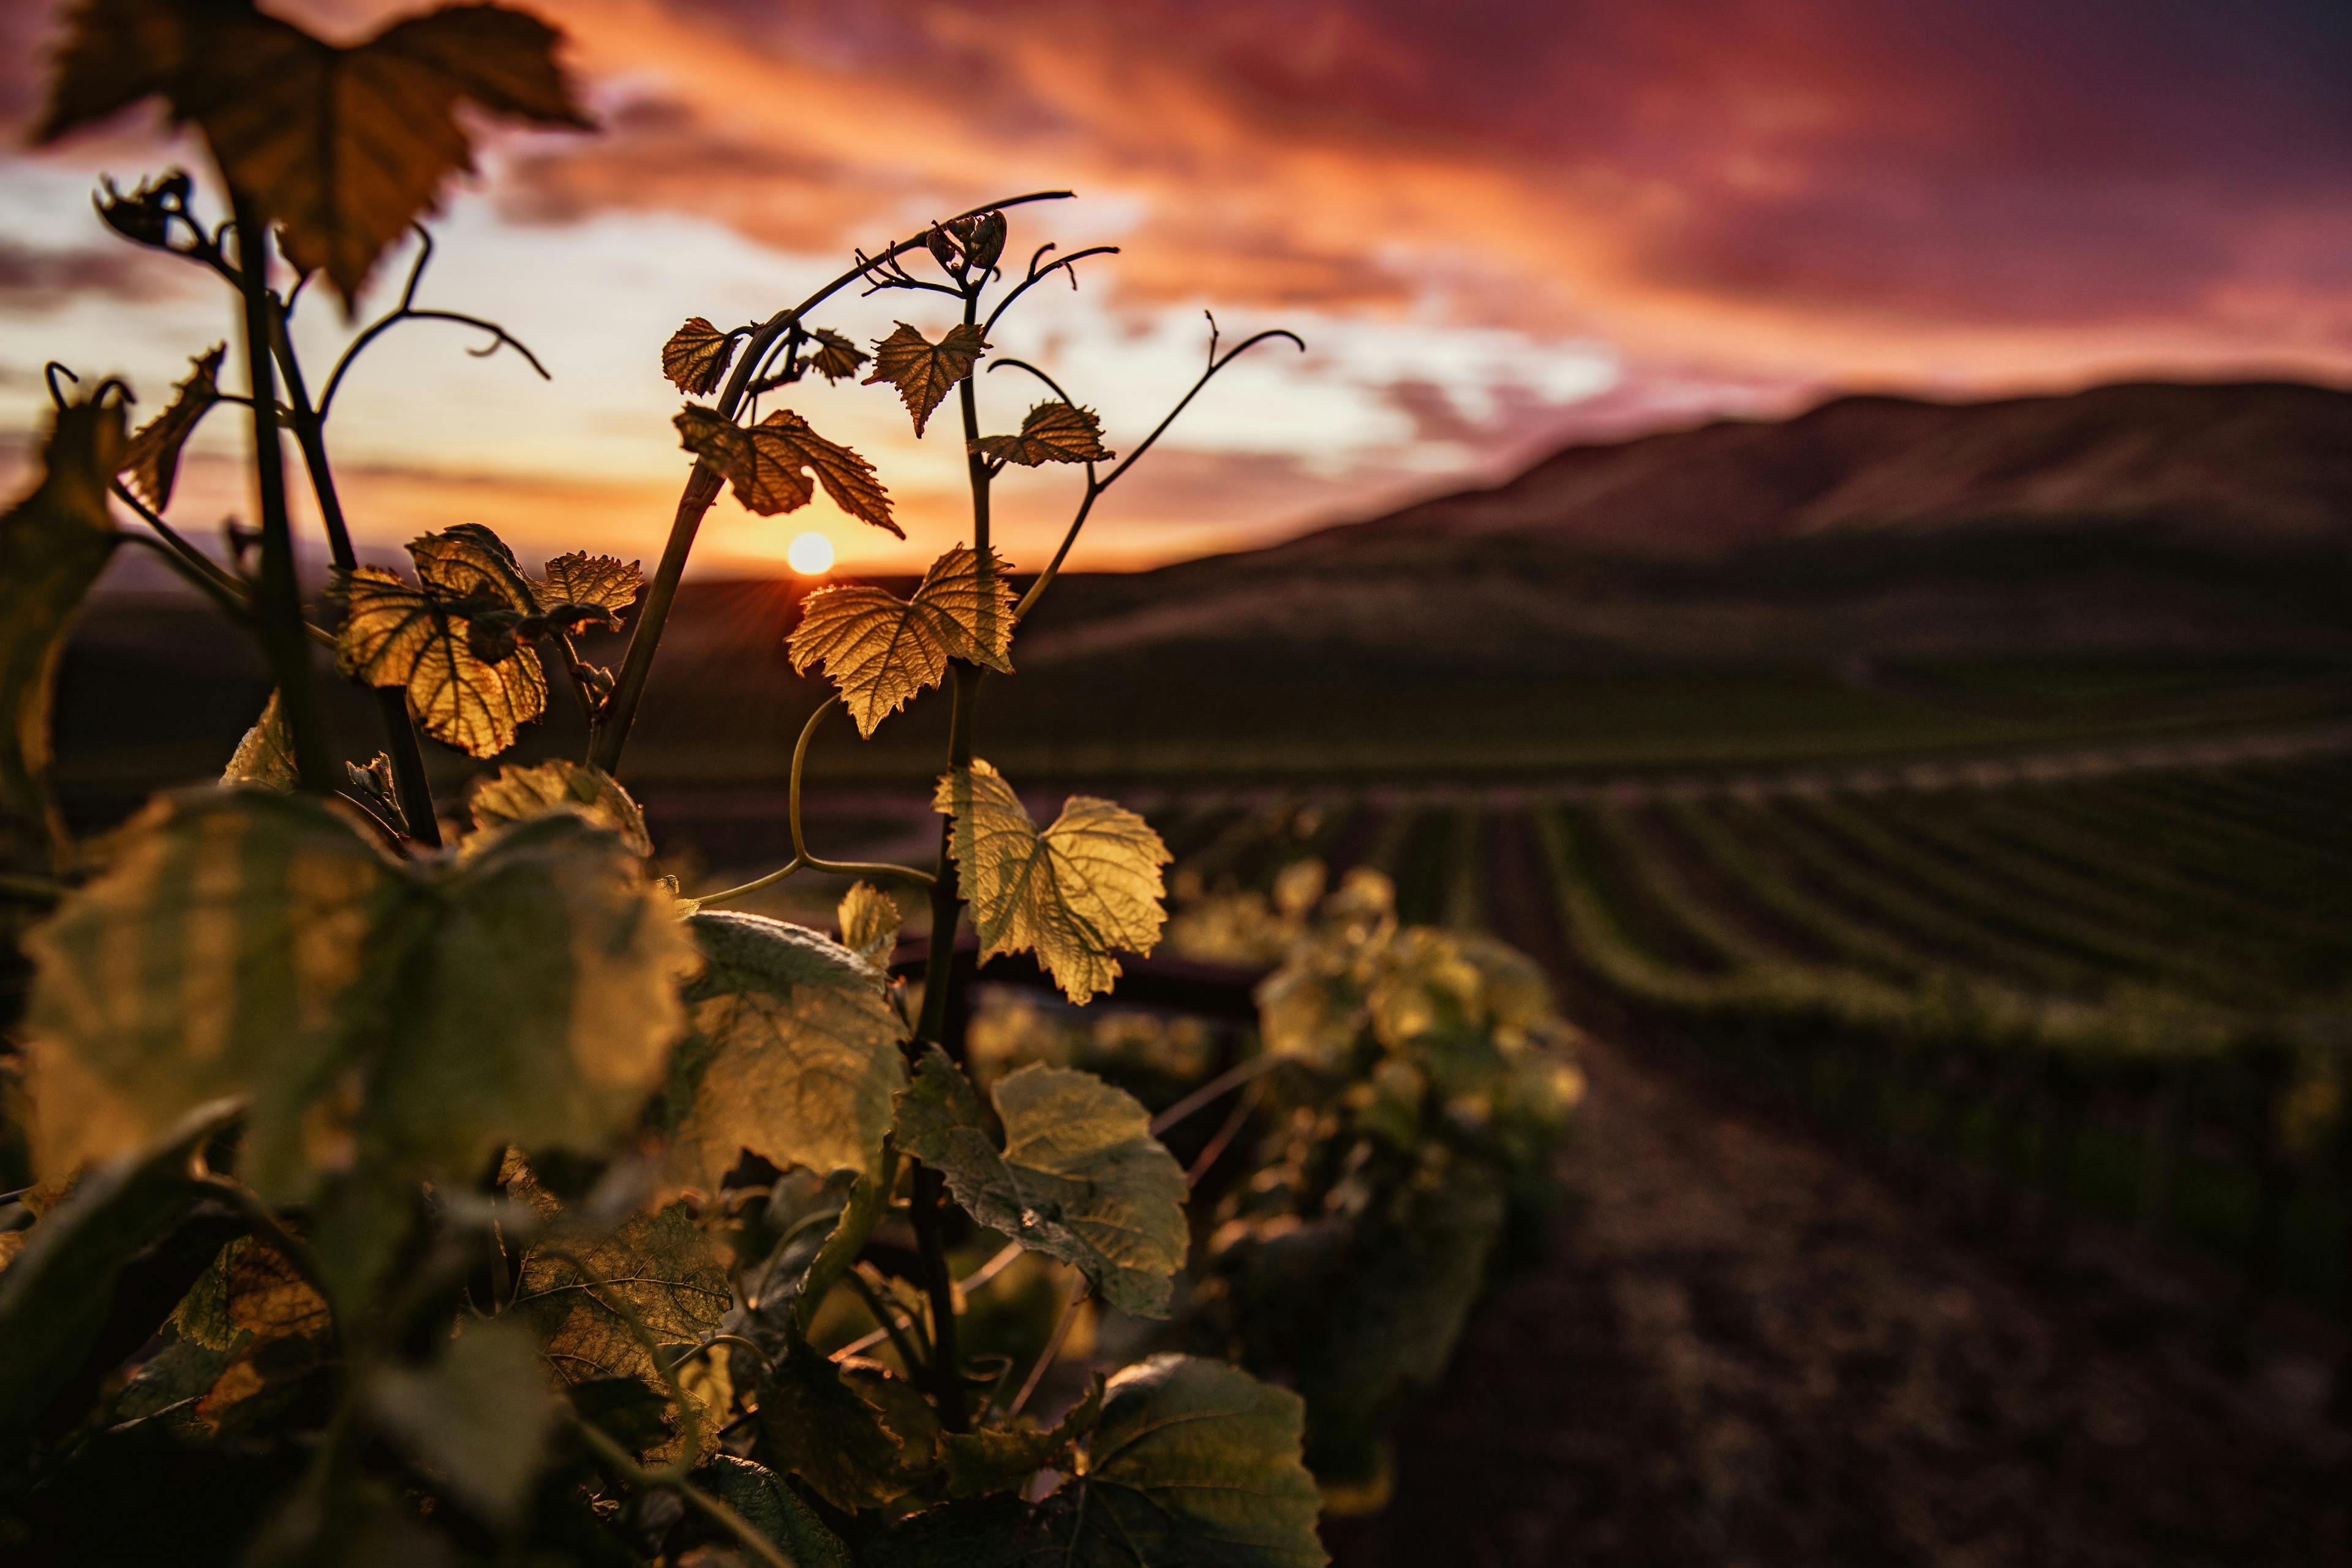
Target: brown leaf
[(152, 461), (881, 651), (1054, 432), (695, 356), (834, 355), (769, 465), (469, 561), (922, 370), (341, 149), (398, 636), (600, 580)]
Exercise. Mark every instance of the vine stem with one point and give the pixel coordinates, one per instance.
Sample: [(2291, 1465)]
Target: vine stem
[(1053, 1348), (278, 613), (626, 1464), (611, 736)]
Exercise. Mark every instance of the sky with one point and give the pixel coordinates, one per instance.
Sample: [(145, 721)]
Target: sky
[(1501, 227)]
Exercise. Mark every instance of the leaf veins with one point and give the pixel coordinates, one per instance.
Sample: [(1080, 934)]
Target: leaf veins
[(397, 635), (881, 651), (924, 371), (342, 149), (1053, 432), (519, 794), (834, 357), (695, 356), (1083, 888), (770, 465)]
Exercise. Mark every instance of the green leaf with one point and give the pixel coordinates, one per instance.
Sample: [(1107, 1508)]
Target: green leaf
[(816, 1423), (53, 544), (55, 1297), (479, 1417), (519, 794), (1080, 1177), (266, 756), (1005, 1459), (881, 651), (1083, 888), (794, 1055), (396, 1022), (775, 1510), (659, 1265)]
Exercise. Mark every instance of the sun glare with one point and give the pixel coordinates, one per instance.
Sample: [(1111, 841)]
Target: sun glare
[(811, 554)]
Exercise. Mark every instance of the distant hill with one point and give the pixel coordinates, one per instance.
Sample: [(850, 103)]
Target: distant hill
[(2132, 516)]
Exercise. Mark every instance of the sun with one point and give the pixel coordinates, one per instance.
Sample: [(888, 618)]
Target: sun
[(811, 554)]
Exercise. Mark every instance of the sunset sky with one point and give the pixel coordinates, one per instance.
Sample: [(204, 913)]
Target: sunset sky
[(1499, 226)]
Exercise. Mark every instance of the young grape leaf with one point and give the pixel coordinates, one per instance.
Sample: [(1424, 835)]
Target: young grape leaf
[(869, 925), (479, 1417), (769, 465), (520, 793), (400, 1022), (775, 1510), (602, 581), (470, 564), (1080, 1177), (1005, 1459), (880, 651), (152, 461), (395, 634), (924, 371), (660, 1266), (1053, 432), (1071, 894), (53, 544), (695, 356), (818, 1424), (266, 755), (794, 1055), (341, 149), (834, 357)]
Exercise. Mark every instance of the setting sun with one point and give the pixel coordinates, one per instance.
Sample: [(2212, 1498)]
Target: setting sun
[(811, 554)]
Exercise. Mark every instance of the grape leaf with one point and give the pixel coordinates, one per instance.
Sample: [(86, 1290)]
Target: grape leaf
[(395, 634), (53, 544), (469, 562), (695, 356), (795, 1055), (1080, 1177), (152, 461), (880, 651), (775, 1510), (869, 925), (660, 1265), (397, 1021), (478, 1416), (834, 355), (924, 371), (341, 149), (1054, 432), (600, 580), (819, 1424), (1086, 885), (520, 793), (1003, 1458), (769, 465), (266, 755)]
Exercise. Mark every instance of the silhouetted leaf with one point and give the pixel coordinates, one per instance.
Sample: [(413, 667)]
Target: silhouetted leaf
[(341, 149), (880, 651), (869, 923), (1080, 1177), (834, 357), (266, 755), (795, 1055), (1053, 432), (924, 371), (695, 356), (520, 793), (397, 635), (53, 544), (769, 464), (1085, 886), (151, 461)]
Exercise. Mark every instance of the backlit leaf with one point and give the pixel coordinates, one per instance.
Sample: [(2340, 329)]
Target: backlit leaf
[(1080, 1178), (769, 465), (402, 1021), (266, 755), (520, 793), (695, 356), (880, 651), (834, 357), (599, 579), (1054, 432), (470, 563), (794, 1055), (924, 371), (775, 1510), (660, 1265), (151, 461), (869, 925), (1085, 886), (53, 544), (397, 635), (478, 1417), (342, 149)]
